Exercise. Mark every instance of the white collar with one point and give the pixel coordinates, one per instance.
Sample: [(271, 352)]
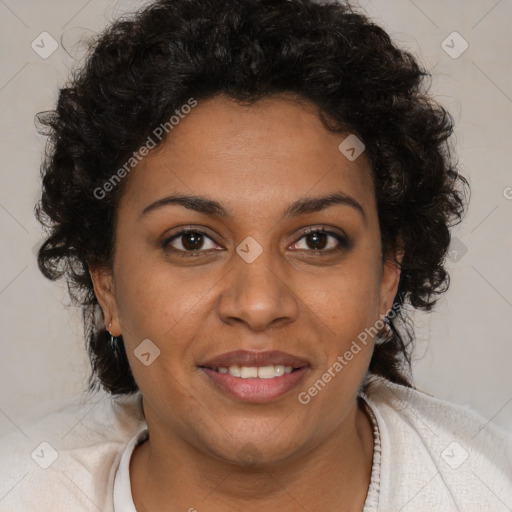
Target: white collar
[(123, 500)]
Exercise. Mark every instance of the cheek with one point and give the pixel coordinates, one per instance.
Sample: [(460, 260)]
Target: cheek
[(166, 311), (169, 308), (345, 308), (157, 299), (347, 299)]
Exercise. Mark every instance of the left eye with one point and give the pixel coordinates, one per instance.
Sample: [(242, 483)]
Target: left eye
[(319, 239)]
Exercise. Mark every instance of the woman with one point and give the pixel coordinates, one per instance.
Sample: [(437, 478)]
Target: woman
[(244, 196)]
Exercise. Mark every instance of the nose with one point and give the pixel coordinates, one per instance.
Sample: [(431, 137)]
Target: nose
[(257, 294)]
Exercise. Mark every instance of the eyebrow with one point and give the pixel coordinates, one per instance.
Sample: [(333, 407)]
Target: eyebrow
[(211, 207)]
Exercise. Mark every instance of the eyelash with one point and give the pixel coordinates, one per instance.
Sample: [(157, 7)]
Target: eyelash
[(343, 242)]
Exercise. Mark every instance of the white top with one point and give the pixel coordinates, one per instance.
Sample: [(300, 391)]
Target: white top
[(123, 500), (433, 456)]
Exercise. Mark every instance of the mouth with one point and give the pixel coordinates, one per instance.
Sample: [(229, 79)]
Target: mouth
[(256, 377), (255, 372)]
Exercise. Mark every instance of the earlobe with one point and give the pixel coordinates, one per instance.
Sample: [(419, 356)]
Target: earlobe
[(104, 290)]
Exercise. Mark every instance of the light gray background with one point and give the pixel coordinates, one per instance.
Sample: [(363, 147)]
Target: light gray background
[(464, 349)]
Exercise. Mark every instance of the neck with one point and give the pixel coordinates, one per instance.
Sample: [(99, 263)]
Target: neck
[(331, 476)]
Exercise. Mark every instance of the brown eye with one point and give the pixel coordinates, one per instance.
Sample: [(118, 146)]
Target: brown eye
[(322, 240), (192, 241), (189, 241), (318, 240)]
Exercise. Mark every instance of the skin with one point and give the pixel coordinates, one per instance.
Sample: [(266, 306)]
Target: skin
[(255, 160)]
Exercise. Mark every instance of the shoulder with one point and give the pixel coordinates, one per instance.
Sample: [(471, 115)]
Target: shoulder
[(437, 454), (69, 457)]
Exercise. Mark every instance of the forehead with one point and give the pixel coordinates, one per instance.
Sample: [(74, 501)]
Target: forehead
[(250, 157)]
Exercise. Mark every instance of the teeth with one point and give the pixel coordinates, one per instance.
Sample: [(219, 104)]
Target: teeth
[(234, 370), (261, 372), (279, 370), (246, 372), (266, 372)]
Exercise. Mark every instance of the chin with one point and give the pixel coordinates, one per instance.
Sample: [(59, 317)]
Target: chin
[(262, 449)]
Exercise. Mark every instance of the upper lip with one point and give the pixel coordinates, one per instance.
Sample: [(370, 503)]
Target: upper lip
[(254, 359)]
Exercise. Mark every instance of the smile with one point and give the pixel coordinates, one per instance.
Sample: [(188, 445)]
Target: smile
[(247, 385), (256, 377), (252, 372)]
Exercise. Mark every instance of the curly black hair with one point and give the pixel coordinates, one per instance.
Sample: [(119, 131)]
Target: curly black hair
[(145, 65)]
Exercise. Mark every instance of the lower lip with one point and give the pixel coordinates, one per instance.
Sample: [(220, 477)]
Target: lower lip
[(256, 390)]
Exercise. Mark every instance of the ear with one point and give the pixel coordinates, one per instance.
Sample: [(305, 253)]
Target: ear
[(390, 280), (104, 290)]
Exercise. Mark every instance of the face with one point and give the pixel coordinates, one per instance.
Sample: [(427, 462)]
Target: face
[(269, 269)]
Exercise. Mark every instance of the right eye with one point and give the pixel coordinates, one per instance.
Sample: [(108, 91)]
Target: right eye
[(188, 241)]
